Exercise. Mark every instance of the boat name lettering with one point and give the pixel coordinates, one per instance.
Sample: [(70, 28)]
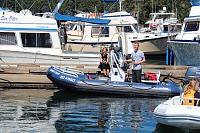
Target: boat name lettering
[(67, 78), (10, 18)]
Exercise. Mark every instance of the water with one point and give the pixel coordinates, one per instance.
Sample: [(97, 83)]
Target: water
[(51, 111)]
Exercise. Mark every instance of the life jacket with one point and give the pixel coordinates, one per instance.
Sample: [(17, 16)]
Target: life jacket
[(150, 76), (186, 97)]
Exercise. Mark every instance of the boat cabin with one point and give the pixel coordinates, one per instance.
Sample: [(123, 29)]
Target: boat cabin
[(190, 29), (21, 33), (162, 22), (90, 33)]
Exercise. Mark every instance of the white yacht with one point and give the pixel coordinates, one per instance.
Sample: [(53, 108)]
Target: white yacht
[(186, 45), (162, 23), (80, 34), (25, 38)]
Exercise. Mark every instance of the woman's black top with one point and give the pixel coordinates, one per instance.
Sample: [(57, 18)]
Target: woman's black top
[(104, 57)]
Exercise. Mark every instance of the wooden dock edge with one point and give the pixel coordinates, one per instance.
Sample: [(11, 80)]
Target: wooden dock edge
[(34, 76)]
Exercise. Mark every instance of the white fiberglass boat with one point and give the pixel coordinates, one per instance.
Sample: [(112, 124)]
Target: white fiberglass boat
[(153, 39), (186, 45), (30, 39), (173, 113)]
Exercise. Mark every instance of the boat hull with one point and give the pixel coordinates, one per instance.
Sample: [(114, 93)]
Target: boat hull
[(66, 81), (185, 52), (154, 46), (28, 57)]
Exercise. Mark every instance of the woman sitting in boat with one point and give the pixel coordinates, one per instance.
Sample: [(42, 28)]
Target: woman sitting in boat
[(104, 62), (191, 92)]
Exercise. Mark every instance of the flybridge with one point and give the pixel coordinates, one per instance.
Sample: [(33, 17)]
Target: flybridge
[(195, 10)]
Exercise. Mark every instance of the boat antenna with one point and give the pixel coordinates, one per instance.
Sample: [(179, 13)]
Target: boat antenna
[(32, 4), (115, 1), (25, 4), (49, 6), (58, 6), (120, 5), (19, 4)]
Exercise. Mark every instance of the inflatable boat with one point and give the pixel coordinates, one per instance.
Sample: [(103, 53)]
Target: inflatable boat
[(173, 113), (69, 79)]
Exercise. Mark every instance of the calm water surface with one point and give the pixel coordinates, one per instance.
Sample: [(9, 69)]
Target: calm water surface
[(51, 111)]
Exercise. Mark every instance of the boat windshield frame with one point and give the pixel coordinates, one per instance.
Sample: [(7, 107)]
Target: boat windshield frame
[(191, 26)]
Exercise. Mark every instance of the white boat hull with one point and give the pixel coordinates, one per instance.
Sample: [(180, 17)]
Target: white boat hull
[(172, 113), (21, 57)]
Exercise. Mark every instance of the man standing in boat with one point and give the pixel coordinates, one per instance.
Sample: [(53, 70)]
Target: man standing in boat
[(137, 58)]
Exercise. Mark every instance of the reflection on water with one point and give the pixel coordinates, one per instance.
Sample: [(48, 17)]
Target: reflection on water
[(47, 111), (25, 111), (104, 114)]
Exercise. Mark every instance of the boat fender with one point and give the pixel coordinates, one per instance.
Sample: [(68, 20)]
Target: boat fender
[(188, 97)]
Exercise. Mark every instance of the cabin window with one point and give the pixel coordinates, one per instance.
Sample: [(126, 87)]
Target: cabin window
[(100, 31), (8, 38), (191, 26), (127, 29), (166, 29), (41, 40)]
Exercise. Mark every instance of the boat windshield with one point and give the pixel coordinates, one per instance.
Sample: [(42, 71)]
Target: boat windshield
[(191, 26), (127, 29)]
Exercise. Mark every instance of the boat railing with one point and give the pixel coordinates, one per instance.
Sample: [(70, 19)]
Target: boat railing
[(101, 35), (179, 100), (71, 72)]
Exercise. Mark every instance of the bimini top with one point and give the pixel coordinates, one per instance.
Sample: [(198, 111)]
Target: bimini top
[(75, 19)]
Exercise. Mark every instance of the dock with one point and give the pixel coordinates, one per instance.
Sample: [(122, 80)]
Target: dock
[(34, 76)]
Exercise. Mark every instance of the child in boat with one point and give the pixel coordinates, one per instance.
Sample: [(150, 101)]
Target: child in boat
[(104, 62), (190, 92)]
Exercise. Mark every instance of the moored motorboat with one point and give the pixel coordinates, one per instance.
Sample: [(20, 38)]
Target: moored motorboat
[(185, 47), (173, 113), (69, 79)]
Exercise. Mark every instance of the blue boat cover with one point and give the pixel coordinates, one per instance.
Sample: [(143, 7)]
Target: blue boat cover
[(60, 17), (195, 2)]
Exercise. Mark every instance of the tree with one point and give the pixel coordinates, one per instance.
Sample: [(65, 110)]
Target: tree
[(141, 8)]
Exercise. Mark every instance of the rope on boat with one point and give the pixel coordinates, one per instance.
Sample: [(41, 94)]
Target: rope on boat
[(106, 83), (131, 85), (169, 76)]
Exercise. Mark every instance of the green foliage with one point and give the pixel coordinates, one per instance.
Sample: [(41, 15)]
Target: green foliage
[(140, 8)]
